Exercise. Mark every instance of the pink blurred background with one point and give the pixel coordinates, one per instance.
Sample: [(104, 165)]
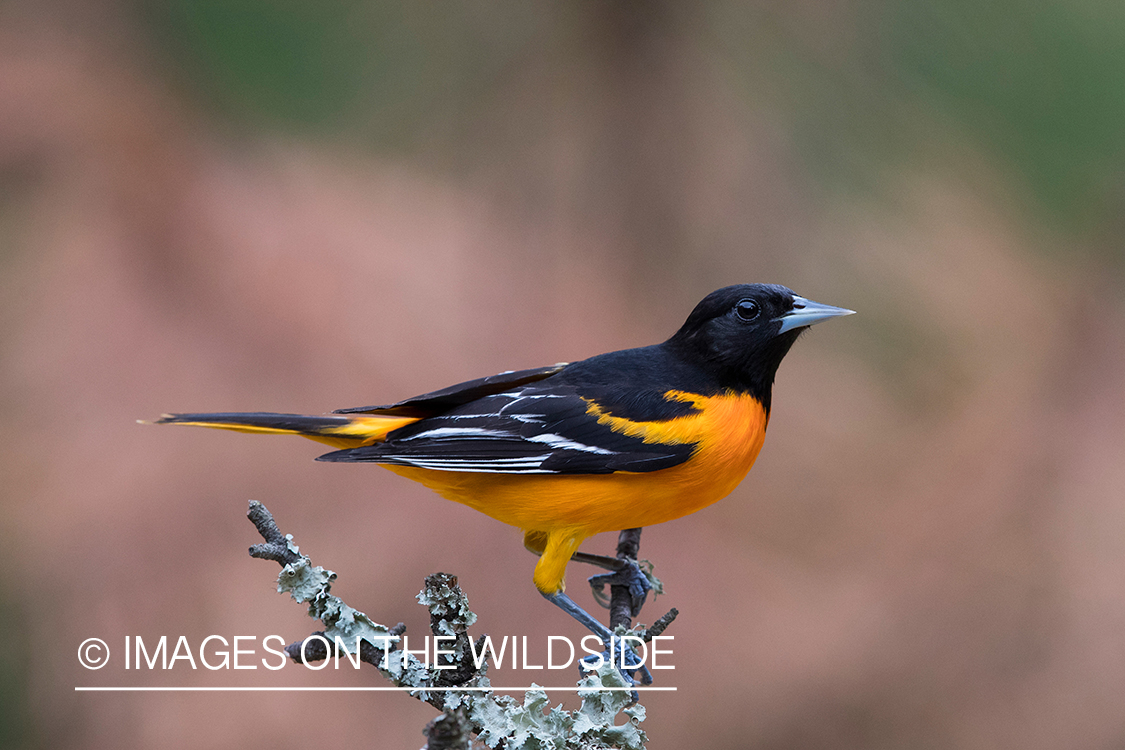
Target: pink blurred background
[(279, 206)]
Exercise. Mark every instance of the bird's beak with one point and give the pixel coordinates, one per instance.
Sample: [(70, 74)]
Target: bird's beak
[(806, 312)]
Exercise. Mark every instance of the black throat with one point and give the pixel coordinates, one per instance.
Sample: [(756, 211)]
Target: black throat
[(750, 370)]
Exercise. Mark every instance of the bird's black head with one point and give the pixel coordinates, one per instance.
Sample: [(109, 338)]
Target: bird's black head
[(739, 334)]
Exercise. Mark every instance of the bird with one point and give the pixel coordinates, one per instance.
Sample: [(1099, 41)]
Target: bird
[(617, 441)]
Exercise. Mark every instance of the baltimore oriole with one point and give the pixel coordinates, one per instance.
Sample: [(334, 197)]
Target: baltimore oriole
[(617, 441)]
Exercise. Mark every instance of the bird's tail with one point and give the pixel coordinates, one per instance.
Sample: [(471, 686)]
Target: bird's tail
[(339, 431)]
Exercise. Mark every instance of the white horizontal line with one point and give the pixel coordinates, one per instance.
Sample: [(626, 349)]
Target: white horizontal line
[(372, 689), (463, 432)]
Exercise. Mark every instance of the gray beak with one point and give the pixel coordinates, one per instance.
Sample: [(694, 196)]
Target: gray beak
[(806, 312)]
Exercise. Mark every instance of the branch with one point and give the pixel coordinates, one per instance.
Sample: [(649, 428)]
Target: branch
[(497, 720), (620, 615), (450, 731), (620, 602)]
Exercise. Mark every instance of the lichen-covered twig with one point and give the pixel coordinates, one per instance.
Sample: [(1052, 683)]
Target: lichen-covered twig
[(660, 625), (277, 547), (450, 731), (497, 720)]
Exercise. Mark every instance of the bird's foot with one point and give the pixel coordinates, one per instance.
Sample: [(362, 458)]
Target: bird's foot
[(628, 574), (618, 650)]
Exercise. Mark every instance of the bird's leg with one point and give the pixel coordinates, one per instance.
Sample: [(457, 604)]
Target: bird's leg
[(617, 651), (624, 569), (555, 551)]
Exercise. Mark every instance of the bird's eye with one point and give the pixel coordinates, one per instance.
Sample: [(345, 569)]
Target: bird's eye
[(747, 309)]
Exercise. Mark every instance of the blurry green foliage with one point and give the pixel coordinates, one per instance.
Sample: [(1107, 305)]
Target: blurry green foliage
[(1036, 86), (865, 86), (16, 725), (289, 60), (1042, 84), (387, 71)]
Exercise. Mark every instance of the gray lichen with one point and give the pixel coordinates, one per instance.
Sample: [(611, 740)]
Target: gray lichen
[(497, 720), (531, 726)]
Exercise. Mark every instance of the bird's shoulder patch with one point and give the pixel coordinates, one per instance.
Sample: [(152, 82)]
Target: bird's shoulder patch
[(705, 417)]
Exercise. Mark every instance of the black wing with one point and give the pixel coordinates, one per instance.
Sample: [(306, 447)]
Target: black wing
[(437, 402), (534, 429)]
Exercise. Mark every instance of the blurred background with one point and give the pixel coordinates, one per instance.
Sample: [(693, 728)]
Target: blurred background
[(283, 205)]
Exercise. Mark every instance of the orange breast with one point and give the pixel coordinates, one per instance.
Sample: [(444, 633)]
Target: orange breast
[(728, 431)]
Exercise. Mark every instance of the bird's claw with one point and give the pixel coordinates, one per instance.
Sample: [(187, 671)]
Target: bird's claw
[(629, 574)]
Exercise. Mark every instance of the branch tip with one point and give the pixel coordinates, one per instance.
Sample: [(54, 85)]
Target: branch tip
[(276, 546)]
